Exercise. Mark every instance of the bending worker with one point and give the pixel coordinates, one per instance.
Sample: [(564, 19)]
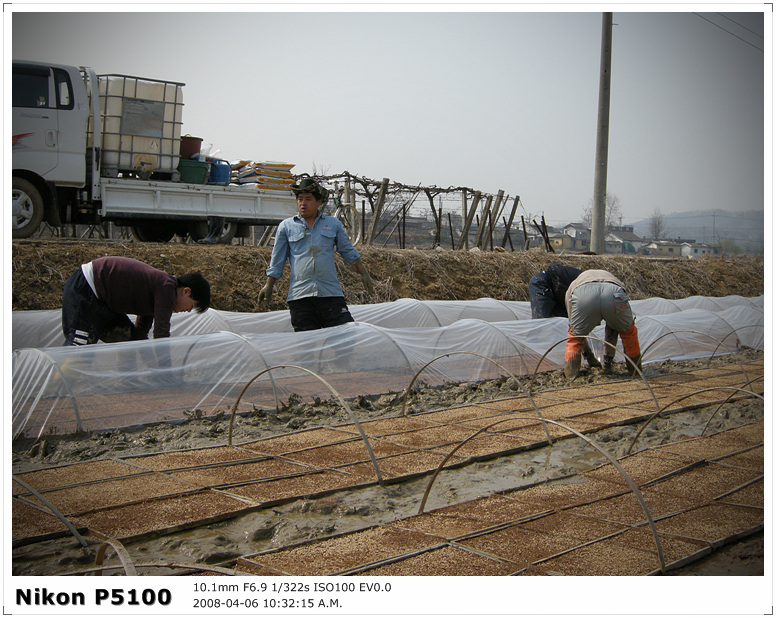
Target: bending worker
[(547, 291), (593, 296), (99, 294), (307, 241)]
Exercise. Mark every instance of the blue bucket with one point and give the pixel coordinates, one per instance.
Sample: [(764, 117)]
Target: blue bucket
[(220, 172)]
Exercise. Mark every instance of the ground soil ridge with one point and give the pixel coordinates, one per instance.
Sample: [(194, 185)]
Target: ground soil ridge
[(40, 268)]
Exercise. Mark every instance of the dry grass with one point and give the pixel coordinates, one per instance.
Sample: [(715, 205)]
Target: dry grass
[(40, 268)]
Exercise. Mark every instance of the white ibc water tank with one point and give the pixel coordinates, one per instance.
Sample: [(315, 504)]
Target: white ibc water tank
[(141, 123)]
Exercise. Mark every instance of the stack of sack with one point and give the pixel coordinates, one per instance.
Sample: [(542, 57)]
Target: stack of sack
[(264, 175)]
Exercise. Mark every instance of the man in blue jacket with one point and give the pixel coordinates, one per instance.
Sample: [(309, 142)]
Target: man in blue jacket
[(307, 241)]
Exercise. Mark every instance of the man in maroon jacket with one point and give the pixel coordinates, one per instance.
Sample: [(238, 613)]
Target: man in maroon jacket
[(98, 296)]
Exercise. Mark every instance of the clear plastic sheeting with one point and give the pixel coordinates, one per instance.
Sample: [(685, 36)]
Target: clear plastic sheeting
[(43, 329), (62, 390)]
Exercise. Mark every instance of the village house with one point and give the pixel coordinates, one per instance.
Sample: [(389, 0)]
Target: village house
[(692, 249), (624, 235), (580, 235), (663, 248)]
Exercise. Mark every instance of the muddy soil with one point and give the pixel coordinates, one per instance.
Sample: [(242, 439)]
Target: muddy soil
[(307, 520)]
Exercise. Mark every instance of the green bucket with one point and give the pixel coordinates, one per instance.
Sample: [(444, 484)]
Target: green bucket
[(194, 172)]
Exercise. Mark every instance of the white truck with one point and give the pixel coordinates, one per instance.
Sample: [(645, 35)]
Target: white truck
[(89, 149)]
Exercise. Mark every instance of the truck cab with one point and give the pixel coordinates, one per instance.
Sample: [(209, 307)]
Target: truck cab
[(49, 150)]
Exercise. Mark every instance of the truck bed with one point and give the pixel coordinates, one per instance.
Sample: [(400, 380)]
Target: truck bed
[(148, 199)]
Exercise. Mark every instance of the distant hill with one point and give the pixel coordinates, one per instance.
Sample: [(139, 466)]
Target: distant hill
[(745, 229)]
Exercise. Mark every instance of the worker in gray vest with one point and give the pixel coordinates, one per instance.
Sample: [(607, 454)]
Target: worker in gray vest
[(593, 296), (547, 292)]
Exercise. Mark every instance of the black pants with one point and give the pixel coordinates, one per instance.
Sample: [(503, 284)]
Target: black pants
[(316, 312), (543, 303), (86, 319)]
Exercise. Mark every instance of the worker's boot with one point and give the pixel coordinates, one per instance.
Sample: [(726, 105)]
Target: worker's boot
[(574, 347), (610, 349), (635, 361), (630, 343), (590, 357)]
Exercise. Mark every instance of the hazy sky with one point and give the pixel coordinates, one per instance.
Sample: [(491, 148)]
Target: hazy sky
[(487, 100)]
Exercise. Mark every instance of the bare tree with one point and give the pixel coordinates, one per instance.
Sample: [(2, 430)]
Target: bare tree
[(657, 225), (613, 211), (320, 169)]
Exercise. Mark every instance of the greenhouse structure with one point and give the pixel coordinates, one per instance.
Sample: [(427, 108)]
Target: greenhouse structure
[(216, 360)]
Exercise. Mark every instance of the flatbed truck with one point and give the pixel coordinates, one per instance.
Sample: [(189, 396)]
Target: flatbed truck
[(88, 149)]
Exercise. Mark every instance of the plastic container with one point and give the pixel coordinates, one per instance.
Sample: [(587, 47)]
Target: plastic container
[(194, 172), (141, 123), (220, 172), (190, 147)]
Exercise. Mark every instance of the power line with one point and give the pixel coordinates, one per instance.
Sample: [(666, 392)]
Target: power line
[(718, 216), (728, 31), (760, 36), (675, 217)]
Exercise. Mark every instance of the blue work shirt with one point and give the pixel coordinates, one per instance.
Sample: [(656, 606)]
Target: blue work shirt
[(310, 254)]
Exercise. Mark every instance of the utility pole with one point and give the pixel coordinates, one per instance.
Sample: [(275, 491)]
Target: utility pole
[(597, 232)]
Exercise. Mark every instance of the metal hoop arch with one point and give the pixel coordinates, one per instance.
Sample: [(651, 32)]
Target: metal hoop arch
[(703, 390), (433, 360), (53, 510), (336, 394), (592, 443), (606, 344), (121, 552), (728, 398)]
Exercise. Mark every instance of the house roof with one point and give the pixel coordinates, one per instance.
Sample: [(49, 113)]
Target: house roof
[(666, 243), (626, 236)]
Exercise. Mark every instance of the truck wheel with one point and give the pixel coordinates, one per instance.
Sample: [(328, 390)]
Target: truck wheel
[(152, 232), (26, 208), (198, 230)]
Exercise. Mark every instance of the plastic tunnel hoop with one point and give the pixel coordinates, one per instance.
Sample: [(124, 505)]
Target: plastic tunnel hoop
[(263, 360), (391, 339), (55, 368), (716, 314), (423, 304), (507, 307), (518, 351), (674, 333)]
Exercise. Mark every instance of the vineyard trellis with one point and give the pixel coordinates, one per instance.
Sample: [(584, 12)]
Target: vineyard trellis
[(384, 206)]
